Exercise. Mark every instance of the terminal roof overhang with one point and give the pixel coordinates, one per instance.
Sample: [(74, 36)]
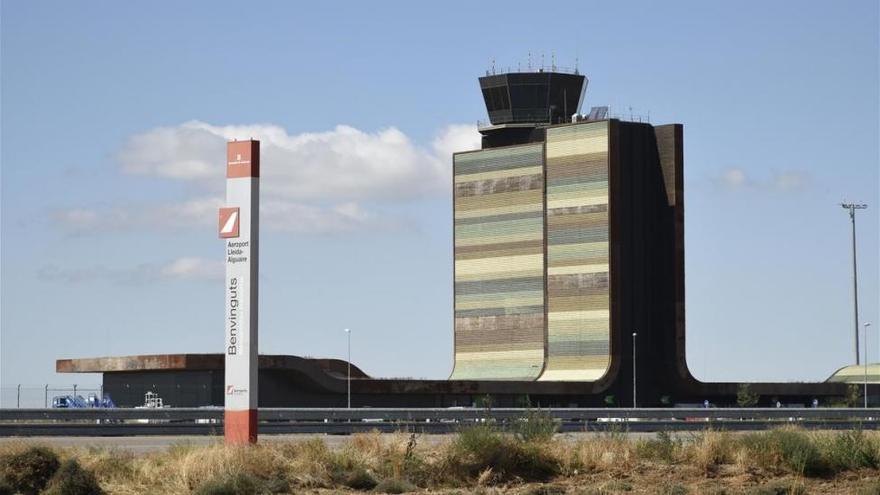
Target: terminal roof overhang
[(330, 375), (196, 362)]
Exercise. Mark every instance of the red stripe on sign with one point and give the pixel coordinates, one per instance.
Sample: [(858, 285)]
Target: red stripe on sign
[(242, 159), (240, 427)]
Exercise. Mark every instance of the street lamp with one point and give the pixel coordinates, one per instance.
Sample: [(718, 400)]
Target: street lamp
[(348, 382), (866, 363), (852, 207), (634, 369)]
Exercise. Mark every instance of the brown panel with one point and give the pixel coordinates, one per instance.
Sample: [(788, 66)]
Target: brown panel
[(499, 246), (670, 145), (493, 186), (242, 159), (578, 281)]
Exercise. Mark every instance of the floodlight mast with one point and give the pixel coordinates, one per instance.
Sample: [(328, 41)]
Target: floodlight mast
[(852, 207)]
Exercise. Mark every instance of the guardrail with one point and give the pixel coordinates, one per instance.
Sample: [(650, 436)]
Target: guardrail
[(423, 414), (208, 421)]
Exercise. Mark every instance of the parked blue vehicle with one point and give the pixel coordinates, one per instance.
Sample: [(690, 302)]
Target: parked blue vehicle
[(78, 402)]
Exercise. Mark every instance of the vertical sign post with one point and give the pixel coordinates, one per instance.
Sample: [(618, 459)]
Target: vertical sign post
[(240, 229)]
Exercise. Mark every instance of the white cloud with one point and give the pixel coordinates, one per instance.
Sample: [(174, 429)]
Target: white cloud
[(311, 183), (455, 138), (163, 217), (301, 218), (193, 268), (791, 181), (186, 268), (275, 215), (735, 178), (343, 164), (78, 218)]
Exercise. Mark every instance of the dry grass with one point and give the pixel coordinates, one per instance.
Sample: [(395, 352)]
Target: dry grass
[(779, 461)]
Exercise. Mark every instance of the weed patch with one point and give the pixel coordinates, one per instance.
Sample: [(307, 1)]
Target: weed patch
[(72, 479), (787, 449), (29, 471), (663, 448), (395, 486), (359, 479), (850, 450), (536, 426), (481, 447)]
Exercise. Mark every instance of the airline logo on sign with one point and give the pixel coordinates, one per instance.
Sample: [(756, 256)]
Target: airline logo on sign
[(229, 222), (243, 159)]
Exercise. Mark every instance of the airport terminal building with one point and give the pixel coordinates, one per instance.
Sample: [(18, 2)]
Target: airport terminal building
[(569, 277)]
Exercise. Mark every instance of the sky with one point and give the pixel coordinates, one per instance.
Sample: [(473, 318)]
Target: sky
[(114, 117)]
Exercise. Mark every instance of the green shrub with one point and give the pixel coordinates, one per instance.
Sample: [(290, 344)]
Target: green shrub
[(72, 479), (853, 396), (790, 449), (663, 447), (395, 486), (851, 450), (478, 440), (482, 447), (537, 426), (745, 397), (414, 466), (30, 470), (233, 484), (484, 401), (530, 463)]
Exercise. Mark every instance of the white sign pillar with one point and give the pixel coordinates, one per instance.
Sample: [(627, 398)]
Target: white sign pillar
[(240, 229)]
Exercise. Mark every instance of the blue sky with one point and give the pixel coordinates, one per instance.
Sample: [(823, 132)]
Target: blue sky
[(114, 115)]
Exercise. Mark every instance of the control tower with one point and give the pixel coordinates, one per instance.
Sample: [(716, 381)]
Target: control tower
[(521, 104)]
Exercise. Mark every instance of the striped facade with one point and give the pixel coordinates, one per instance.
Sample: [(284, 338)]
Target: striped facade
[(499, 263), (531, 258), (578, 318)]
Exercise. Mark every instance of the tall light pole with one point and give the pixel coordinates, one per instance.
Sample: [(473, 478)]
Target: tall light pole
[(866, 363), (348, 382), (634, 369), (852, 207)]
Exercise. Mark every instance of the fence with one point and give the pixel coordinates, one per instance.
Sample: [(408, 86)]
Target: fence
[(32, 396)]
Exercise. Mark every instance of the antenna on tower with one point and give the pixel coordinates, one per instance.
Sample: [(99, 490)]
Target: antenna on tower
[(553, 61), (576, 65), (493, 66), (542, 62), (530, 60)]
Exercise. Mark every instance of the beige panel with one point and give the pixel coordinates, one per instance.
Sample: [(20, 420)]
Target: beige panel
[(567, 203), (565, 270), (501, 263)]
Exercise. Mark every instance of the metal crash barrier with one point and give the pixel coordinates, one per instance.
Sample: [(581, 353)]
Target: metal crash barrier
[(209, 421)]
